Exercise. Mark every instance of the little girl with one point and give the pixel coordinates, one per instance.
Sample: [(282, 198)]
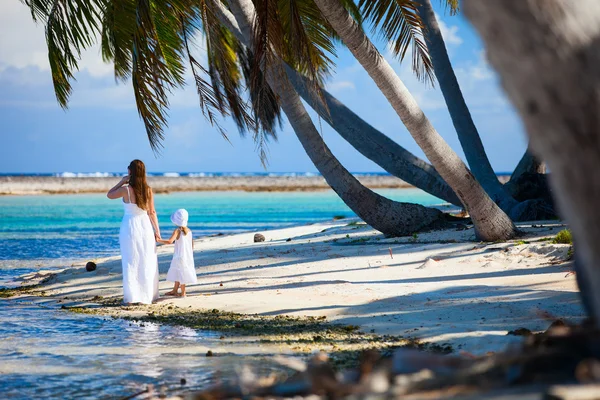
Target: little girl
[(182, 270)]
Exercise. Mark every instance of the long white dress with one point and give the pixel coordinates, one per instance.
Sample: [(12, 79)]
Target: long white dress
[(182, 268), (138, 254)]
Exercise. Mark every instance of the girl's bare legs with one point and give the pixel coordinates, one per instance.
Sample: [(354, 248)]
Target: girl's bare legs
[(174, 291), (182, 291)]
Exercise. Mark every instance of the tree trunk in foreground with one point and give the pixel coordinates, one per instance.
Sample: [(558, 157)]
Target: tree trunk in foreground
[(547, 53), (459, 112), (491, 223), (387, 216)]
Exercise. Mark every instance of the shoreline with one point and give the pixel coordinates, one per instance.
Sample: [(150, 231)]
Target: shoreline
[(440, 288), (46, 185)]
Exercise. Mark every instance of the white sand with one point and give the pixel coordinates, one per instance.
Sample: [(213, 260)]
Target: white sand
[(36, 185), (441, 287)]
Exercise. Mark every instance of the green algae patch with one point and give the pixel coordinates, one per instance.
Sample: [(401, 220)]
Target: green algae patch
[(12, 292), (302, 335)]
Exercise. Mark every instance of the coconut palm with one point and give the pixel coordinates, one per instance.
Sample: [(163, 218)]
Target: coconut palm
[(457, 107), (149, 42), (381, 213), (491, 223)]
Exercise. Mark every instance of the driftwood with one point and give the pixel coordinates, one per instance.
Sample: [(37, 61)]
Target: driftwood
[(561, 363)]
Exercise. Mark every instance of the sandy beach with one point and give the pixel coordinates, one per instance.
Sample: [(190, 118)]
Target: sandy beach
[(440, 287), (35, 185)]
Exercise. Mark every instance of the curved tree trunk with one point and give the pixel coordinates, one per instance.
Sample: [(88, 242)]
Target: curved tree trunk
[(555, 86), (387, 216), (373, 144), (459, 112), (491, 223), (529, 164)]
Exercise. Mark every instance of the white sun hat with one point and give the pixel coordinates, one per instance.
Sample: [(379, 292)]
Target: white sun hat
[(180, 217)]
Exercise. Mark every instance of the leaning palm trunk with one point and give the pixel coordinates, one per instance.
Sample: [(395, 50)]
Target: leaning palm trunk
[(491, 223), (387, 216), (459, 112), (555, 86), (363, 137), (371, 143), (529, 164)]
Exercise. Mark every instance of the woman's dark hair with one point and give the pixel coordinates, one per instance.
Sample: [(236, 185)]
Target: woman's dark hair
[(137, 181)]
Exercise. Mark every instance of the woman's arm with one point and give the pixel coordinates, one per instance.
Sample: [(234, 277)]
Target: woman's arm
[(152, 215), (171, 239), (118, 191)]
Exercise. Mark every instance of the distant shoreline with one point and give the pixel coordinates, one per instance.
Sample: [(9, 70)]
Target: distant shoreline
[(44, 185)]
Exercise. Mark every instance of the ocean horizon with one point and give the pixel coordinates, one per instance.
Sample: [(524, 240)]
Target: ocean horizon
[(87, 174)]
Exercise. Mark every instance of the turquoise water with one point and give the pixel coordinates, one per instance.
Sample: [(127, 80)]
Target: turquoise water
[(57, 230)]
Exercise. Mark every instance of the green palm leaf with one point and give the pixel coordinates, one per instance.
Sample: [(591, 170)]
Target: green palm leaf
[(71, 27), (401, 25)]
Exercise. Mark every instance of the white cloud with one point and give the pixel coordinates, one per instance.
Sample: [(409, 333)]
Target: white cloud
[(449, 33), (23, 43), (339, 85)]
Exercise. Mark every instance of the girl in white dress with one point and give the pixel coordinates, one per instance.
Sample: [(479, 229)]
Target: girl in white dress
[(137, 236), (182, 270)]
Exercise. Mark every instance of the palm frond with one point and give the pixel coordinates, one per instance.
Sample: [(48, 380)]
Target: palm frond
[(118, 29), (151, 75), (308, 41), (220, 85), (268, 36), (71, 27), (401, 25), (452, 5), (265, 105)]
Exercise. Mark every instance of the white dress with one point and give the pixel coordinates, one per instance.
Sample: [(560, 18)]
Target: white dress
[(182, 268), (138, 256)]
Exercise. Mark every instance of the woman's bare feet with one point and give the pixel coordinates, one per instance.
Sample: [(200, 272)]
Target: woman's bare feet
[(180, 295), (171, 293)]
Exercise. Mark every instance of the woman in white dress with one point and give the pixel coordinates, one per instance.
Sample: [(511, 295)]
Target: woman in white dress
[(137, 236)]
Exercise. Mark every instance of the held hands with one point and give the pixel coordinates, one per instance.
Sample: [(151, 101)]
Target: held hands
[(157, 237)]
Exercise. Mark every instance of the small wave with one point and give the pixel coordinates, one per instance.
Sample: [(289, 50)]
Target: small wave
[(84, 174), (171, 174)]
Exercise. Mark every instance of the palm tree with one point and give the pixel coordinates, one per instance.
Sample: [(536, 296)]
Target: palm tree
[(491, 223), (457, 107), (371, 143), (148, 42), (387, 216), (367, 140), (555, 87)]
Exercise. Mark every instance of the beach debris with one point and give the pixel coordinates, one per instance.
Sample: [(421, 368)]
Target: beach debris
[(259, 238), (209, 353), (90, 266), (429, 262), (520, 332), (547, 364), (288, 239), (183, 381)]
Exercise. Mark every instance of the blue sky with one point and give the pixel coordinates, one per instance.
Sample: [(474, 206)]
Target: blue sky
[(101, 130)]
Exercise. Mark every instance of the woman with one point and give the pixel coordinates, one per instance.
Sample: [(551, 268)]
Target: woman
[(137, 237)]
